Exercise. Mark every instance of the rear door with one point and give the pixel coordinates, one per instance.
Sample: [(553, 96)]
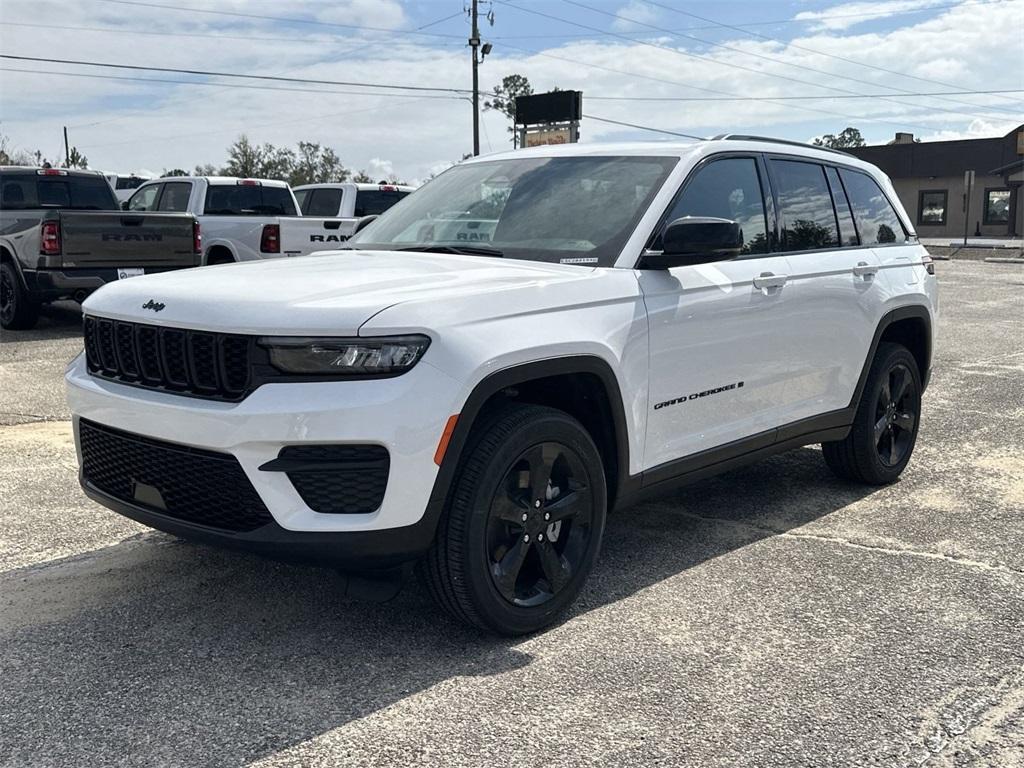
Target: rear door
[(834, 284), (719, 333)]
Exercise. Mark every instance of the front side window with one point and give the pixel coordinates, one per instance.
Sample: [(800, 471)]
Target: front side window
[(997, 206), (931, 208), (175, 196), (144, 199), (876, 219), (805, 206), (570, 210), (726, 189)]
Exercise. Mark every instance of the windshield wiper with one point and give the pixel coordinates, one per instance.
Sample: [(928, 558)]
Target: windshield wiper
[(462, 250)]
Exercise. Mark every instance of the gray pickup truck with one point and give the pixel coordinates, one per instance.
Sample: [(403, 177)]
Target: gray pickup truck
[(63, 235)]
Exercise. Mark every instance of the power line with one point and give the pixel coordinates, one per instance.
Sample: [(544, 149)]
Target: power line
[(644, 127), (772, 59), (715, 61), (790, 44), (869, 14), (205, 73), (795, 98), (279, 19)]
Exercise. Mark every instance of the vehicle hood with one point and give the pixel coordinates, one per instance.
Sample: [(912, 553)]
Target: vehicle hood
[(331, 292)]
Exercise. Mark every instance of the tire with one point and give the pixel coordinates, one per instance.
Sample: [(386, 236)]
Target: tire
[(487, 566), (885, 427), (19, 311)]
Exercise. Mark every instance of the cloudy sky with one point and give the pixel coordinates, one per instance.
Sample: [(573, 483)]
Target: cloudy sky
[(675, 65)]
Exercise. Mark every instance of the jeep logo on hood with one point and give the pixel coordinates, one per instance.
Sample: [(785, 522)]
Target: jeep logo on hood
[(156, 306)]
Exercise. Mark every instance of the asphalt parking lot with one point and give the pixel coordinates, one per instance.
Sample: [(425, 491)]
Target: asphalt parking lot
[(771, 617)]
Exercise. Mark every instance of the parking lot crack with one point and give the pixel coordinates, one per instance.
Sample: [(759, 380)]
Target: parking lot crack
[(889, 550)]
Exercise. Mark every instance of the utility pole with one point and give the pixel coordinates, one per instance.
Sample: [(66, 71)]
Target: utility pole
[(67, 151), (474, 44)]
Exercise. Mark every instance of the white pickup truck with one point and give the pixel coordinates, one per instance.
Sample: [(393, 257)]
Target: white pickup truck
[(348, 202), (241, 219)]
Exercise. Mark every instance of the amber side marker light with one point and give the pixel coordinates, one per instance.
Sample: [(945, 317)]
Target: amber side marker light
[(446, 438)]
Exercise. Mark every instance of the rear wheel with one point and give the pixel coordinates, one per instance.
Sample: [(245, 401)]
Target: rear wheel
[(18, 310), (884, 430), (524, 523)]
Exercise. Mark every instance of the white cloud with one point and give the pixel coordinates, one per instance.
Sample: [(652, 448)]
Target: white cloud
[(632, 12), (381, 168), (844, 16), (370, 13)]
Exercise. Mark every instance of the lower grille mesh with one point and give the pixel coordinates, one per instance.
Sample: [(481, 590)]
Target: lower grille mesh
[(196, 486), (350, 481)]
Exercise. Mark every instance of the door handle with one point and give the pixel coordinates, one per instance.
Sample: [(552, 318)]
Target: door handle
[(768, 280), (863, 269)]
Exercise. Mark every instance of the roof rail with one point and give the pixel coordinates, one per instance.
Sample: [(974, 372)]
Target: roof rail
[(744, 137)]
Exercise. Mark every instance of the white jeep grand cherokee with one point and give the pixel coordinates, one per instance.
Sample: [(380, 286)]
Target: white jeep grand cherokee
[(532, 339)]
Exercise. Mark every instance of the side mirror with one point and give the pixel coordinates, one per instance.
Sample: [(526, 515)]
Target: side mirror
[(696, 240), (124, 205)]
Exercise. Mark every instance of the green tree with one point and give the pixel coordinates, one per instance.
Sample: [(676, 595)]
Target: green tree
[(207, 169), (850, 137), (362, 177), (317, 165), (75, 159), (181, 172), (504, 99)]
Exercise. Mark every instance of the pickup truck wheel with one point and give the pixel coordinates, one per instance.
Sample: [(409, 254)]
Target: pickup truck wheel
[(18, 310), (524, 522), (884, 430)]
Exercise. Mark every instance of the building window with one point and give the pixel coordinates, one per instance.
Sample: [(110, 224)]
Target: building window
[(997, 206), (931, 207)]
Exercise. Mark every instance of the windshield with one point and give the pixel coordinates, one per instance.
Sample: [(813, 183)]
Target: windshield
[(572, 210)]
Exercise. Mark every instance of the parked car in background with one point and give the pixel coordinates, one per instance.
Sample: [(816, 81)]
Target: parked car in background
[(349, 202), (124, 184), (242, 219), (63, 235)]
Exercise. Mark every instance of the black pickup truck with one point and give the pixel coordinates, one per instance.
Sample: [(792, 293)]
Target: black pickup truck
[(63, 235)]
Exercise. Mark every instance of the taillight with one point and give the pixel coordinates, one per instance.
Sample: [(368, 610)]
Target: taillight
[(197, 238), (929, 265), (270, 240), (49, 238)]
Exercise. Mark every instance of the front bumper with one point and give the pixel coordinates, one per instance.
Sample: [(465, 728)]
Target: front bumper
[(405, 414)]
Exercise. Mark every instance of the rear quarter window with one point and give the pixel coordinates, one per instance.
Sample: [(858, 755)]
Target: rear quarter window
[(876, 219)]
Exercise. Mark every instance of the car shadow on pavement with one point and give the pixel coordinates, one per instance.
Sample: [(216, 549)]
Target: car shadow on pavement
[(171, 653), (60, 320)]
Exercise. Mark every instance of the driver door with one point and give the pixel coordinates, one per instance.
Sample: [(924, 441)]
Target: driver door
[(719, 332)]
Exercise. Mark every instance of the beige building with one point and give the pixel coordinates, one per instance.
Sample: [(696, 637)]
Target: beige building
[(929, 179)]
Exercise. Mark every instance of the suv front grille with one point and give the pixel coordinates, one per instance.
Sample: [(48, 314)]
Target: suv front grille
[(189, 484), (211, 365)]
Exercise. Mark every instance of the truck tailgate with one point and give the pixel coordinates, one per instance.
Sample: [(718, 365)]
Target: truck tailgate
[(127, 239), (304, 234)]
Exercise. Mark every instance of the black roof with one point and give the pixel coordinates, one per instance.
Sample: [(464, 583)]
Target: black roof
[(942, 158)]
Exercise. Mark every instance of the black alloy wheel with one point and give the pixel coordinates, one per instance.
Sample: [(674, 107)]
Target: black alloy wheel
[(896, 416), (7, 296), (523, 524), (18, 310), (540, 524), (885, 426)]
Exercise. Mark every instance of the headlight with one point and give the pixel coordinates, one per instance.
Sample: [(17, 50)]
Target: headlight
[(381, 356)]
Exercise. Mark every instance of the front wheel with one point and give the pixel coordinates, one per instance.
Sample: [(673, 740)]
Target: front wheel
[(884, 430), (18, 310), (524, 522)]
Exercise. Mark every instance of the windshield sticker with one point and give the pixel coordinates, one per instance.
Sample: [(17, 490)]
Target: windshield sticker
[(580, 260)]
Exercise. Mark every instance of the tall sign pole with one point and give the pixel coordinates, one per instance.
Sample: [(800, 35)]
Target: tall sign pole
[(474, 44), (67, 151)]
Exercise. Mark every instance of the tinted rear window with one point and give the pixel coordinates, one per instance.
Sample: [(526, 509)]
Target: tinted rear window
[(877, 222), (248, 200), (321, 202), (82, 193), (376, 201), (805, 206)]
